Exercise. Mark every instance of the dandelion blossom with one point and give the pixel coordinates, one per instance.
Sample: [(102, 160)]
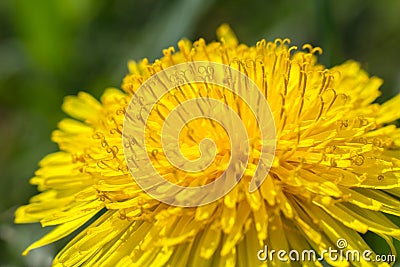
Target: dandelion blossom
[(335, 174)]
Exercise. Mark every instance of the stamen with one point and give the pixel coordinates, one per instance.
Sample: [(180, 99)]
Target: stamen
[(182, 48), (312, 50), (168, 53)]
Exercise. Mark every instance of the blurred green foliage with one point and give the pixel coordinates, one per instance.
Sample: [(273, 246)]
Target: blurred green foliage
[(50, 49)]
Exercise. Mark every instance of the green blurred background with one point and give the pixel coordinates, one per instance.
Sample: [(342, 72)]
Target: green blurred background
[(50, 49)]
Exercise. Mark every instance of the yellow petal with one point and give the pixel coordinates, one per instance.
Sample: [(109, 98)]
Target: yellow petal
[(226, 35), (59, 232)]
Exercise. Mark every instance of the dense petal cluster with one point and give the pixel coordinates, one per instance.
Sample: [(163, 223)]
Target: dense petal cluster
[(335, 175)]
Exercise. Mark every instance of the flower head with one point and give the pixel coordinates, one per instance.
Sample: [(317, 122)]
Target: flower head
[(335, 174)]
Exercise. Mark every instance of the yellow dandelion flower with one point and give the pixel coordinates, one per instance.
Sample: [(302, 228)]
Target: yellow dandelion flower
[(334, 176)]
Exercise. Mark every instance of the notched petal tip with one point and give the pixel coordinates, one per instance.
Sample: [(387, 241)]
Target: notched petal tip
[(83, 107)]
